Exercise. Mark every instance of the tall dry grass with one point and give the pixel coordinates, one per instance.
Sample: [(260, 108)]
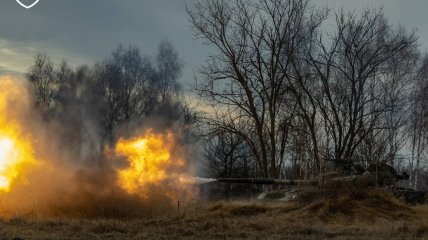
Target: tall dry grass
[(370, 214)]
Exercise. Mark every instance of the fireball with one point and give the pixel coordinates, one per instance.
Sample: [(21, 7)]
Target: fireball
[(15, 148), (13, 157), (152, 159)]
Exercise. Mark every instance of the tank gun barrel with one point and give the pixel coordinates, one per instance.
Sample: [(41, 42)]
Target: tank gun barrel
[(267, 181)]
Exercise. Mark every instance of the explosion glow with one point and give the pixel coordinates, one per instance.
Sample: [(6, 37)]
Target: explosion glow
[(15, 151), (151, 161), (11, 158)]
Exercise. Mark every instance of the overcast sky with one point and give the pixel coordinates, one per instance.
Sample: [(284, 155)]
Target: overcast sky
[(84, 31)]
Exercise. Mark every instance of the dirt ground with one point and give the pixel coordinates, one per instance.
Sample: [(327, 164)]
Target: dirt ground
[(372, 218)]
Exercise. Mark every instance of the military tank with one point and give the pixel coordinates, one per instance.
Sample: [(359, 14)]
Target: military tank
[(381, 175)]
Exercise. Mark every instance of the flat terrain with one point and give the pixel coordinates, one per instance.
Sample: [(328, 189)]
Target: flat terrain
[(343, 218)]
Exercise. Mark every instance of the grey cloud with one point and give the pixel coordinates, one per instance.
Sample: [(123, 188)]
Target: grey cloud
[(90, 29), (86, 30)]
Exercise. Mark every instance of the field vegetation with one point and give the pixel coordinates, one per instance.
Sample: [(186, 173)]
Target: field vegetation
[(371, 214)]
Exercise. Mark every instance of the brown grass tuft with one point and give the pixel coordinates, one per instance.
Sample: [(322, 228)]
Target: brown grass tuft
[(250, 210), (348, 202)]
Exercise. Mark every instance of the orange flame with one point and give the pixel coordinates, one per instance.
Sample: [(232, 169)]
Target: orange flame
[(154, 159), (15, 150)]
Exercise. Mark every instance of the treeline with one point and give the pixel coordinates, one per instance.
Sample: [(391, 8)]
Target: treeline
[(297, 89)]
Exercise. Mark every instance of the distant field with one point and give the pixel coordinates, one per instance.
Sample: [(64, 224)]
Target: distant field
[(343, 218)]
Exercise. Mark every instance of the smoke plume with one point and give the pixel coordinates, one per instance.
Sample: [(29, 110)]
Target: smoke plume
[(62, 166)]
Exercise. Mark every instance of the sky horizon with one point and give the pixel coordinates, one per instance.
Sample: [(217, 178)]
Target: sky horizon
[(85, 31)]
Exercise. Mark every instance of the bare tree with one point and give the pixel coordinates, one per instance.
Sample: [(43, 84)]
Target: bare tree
[(42, 76), (64, 73), (246, 80), (227, 156), (347, 79), (126, 79), (169, 67), (133, 87), (419, 126)]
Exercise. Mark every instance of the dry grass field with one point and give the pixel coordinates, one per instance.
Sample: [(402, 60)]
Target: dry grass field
[(378, 216)]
